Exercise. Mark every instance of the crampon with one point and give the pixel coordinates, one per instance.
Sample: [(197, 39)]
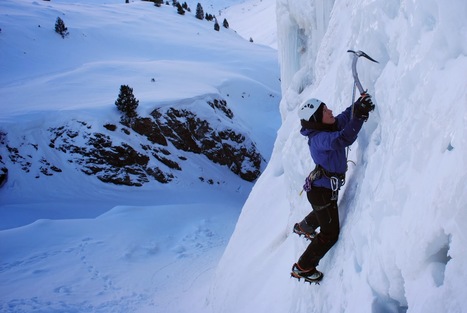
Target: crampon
[(313, 276)]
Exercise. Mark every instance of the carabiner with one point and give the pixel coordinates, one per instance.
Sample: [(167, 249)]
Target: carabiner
[(334, 183)]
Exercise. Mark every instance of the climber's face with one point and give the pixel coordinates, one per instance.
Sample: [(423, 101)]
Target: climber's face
[(328, 118)]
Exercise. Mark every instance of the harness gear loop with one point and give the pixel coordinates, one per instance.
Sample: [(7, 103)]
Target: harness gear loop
[(337, 181), (314, 175)]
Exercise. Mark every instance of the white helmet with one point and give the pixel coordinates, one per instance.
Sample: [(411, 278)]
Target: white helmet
[(308, 108)]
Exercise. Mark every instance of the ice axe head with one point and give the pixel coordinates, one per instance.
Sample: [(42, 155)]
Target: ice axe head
[(360, 53)]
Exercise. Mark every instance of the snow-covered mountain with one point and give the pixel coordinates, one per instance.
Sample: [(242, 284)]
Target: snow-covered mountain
[(99, 215), (403, 210)]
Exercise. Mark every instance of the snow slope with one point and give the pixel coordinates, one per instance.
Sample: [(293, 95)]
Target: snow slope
[(254, 20), (70, 243), (403, 210)]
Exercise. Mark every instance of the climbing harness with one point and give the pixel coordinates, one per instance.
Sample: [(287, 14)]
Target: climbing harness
[(337, 180)]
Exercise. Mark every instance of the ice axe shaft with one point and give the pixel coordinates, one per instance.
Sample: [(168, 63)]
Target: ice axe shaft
[(356, 55)]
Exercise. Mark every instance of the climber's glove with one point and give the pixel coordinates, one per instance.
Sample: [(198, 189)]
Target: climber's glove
[(363, 106)]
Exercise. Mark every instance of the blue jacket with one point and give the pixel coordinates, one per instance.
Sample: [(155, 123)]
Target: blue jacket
[(327, 147)]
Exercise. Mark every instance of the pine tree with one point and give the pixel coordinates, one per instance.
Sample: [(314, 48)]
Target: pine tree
[(225, 23), (180, 9), (199, 11), (127, 104), (216, 26), (60, 28)]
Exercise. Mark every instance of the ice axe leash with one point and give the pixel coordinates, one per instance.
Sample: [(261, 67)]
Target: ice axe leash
[(357, 84)]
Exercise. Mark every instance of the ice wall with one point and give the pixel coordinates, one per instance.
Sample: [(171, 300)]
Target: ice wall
[(403, 210), (302, 25)]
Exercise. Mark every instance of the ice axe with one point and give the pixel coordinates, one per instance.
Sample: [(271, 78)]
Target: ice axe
[(356, 55)]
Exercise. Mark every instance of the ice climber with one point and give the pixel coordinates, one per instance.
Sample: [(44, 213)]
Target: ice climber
[(328, 137)]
